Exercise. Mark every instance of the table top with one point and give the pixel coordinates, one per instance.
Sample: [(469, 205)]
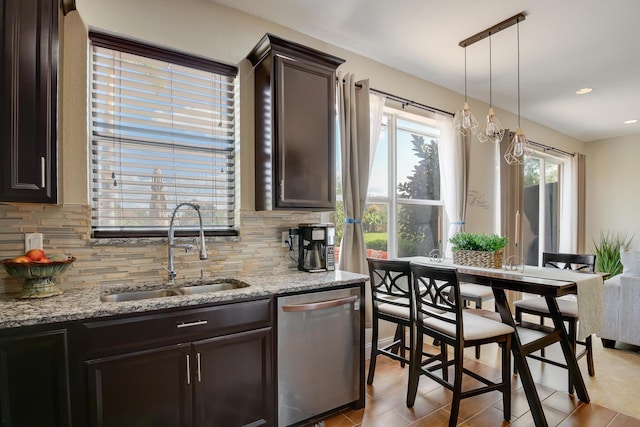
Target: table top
[(507, 279)]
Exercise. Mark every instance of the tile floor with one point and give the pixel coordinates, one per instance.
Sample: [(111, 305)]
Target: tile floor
[(614, 393)]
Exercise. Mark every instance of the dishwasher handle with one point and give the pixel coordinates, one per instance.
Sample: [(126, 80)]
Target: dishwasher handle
[(320, 305)]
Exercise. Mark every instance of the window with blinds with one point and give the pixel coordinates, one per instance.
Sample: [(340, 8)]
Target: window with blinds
[(162, 133)]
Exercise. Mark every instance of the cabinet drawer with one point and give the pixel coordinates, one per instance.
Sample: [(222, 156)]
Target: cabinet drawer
[(113, 336)]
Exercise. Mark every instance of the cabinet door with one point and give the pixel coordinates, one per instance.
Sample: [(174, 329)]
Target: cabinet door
[(304, 134), (34, 382), (28, 100), (145, 389), (233, 381)]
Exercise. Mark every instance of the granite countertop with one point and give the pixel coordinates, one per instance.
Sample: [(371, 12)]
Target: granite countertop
[(85, 303)]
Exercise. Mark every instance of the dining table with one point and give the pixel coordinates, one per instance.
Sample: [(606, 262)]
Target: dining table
[(549, 284)]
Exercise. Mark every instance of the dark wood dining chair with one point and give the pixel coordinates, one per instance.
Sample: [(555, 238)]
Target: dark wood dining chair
[(392, 300), (440, 314), (568, 308)]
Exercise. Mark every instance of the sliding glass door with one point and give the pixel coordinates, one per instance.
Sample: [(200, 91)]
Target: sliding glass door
[(541, 206)]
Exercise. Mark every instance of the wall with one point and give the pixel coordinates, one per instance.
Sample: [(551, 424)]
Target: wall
[(205, 28), (613, 204)]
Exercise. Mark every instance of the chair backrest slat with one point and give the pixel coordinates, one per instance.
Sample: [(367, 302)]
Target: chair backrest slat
[(577, 262), (390, 282), (437, 294)]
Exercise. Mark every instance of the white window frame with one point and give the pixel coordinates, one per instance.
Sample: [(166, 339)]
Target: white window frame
[(392, 200)]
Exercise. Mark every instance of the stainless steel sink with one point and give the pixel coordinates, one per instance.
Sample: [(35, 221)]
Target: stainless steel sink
[(223, 285), (195, 288), (138, 295)]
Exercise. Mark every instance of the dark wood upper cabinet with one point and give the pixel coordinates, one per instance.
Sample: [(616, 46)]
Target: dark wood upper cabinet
[(295, 92), (28, 101)]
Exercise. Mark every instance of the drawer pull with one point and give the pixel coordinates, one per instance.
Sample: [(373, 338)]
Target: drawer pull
[(189, 324)]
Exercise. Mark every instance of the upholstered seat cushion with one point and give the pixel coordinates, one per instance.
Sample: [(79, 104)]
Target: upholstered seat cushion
[(493, 315), (401, 311), (475, 291), (568, 306), (475, 327)]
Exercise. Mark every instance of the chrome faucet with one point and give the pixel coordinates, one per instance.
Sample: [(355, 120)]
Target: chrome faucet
[(187, 247)]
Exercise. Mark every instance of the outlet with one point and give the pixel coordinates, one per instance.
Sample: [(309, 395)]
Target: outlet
[(32, 241), (285, 239)]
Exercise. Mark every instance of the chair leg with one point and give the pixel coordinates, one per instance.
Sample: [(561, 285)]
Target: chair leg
[(374, 351), (506, 379), (445, 359), (400, 339), (518, 315), (542, 324), (414, 371), (457, 386), (590, 365), (478, 306)]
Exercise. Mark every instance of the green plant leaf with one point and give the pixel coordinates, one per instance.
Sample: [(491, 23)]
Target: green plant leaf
[(477, 242), (607, 251)]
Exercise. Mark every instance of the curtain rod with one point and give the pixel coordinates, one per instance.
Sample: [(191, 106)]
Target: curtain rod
[(405, 101), (548, 148)]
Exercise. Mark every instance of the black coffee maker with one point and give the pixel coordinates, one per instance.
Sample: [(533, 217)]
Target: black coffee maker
[(316, 245)]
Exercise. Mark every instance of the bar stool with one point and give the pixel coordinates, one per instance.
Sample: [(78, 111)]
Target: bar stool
[(392, 300), (568, 308), (440, 314)]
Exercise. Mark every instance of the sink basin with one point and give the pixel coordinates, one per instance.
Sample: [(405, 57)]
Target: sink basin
[(222, 285), (195, 288), (138, 295)]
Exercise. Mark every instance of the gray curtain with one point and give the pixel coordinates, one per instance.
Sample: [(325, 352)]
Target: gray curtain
[(353, 108)]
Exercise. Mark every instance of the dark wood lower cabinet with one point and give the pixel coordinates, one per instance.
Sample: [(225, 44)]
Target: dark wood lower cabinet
[(144, 389), (34, 381), (233, 384), (213, 368), (206, 366)]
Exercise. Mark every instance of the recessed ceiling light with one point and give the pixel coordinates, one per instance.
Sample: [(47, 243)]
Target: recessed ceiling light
[(628, 122), (584, 90)]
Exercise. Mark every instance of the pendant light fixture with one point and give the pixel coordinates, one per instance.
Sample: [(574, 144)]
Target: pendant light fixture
[(492, 130), (467, 120), (519, 145)]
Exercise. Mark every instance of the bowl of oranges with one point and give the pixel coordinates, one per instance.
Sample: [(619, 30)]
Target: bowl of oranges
[(38, 271)]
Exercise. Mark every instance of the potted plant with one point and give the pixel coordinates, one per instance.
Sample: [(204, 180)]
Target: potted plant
[(607, 252), (478, 249)]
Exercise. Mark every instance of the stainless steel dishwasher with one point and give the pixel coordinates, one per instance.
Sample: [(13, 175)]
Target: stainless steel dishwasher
[(319, 353)]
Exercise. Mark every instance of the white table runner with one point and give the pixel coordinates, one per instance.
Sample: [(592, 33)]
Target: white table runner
[(590, 288)]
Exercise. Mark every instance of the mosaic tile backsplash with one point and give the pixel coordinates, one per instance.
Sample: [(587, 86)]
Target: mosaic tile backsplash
[(66, 230)]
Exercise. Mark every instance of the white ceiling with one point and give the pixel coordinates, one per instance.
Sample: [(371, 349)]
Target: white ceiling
[(564, 45)]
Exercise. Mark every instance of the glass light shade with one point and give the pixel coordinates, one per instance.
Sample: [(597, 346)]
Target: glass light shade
[(492, 130), (518, 148), (467, 121)]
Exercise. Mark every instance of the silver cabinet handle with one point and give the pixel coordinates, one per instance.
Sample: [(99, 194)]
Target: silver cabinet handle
[(43, 181), (189, 324), (188, 370), (319, 305), (282, 190), (199, 367)]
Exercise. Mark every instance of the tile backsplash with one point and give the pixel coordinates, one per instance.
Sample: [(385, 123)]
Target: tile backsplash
[(66, 230)]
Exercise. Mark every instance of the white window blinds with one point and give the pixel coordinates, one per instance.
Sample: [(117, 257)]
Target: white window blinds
[(162, 133)]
